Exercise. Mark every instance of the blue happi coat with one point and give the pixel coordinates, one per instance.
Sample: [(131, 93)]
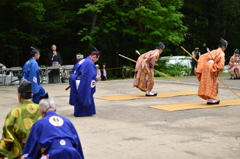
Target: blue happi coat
[(83, 86), (55, 136), (31, 72)]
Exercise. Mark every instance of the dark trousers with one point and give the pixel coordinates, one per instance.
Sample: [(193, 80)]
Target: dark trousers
[(194, 65)]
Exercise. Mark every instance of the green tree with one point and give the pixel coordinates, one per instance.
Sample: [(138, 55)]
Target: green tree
[(39, 23), (122, 27), (13, 35), (208, 21)]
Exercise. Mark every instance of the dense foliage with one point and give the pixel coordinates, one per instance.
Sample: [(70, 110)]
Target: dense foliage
[(114, 27), (173, 70)]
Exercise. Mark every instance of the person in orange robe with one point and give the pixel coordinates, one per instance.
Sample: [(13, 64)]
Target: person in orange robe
[(209, 66), (233, 66), (144, 70)]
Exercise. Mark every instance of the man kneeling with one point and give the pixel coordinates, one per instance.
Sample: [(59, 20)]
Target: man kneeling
[(53, 136), (19, 122)]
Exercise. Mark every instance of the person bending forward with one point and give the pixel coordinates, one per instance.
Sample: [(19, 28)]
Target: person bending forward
[(53, 136), (144, 70), (208, 70), (83, 85)]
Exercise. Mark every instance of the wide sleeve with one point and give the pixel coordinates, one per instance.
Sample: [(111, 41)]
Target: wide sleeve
[(219, 64), (60, 59), (152, 59), (201, 63), (26, 69), (33, 77), (6, 143), (84, 90), (73, 91), (31, 149), (10, 139), (76, 143), (139, 62), (50, 58)]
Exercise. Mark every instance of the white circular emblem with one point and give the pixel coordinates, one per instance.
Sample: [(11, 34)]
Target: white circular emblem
[(56, 121), (62, 142), (93, 84), (35, 79), (80, 62)]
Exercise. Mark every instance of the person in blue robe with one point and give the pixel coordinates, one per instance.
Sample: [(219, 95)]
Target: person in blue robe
[(83, 85), (53, 136), (31, 72)]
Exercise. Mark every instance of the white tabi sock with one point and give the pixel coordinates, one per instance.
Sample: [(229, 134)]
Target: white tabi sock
[(150, 93), (212, 101)]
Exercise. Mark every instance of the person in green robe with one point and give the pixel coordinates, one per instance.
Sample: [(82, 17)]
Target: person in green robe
[(18, 123)]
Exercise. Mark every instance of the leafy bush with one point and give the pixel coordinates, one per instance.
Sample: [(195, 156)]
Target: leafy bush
[(172, 69), (132, 69)]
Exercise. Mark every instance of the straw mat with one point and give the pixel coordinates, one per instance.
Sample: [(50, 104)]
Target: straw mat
[(142, 96), (198, 105)]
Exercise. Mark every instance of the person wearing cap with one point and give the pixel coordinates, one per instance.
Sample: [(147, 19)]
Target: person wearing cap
[(196, 54), (31, 72), (103, 72), (83, 85), (144, 70), (233, 65), (19, 122), (53, 136), (208, 70), (98, 77)]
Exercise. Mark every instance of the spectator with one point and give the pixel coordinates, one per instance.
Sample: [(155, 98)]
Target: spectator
[(19, 122), (196, 53), (104, 72), (233, 66), (98, 77), (54, 60), (65, 75), (126, 73)]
